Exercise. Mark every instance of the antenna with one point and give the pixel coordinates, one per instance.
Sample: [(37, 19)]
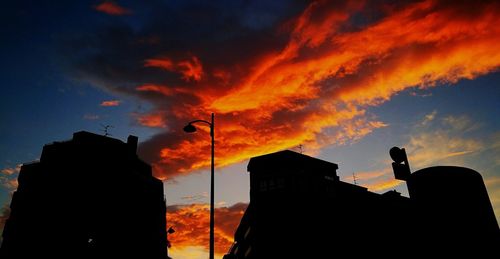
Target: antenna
[(354, 178), (105, 129), (300, 147)]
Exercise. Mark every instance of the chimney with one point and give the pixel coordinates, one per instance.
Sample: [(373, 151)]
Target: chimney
[(132, 143)]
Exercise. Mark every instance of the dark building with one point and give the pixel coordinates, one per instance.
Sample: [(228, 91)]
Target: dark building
[(452, 203), (300, 209), (89, 197)]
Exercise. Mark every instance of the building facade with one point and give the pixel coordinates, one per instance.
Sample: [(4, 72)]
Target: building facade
[(300, 209), (89, 197)]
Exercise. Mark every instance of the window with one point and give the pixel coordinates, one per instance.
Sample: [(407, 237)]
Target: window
[(248, 251), (272, 185), (281, 183), (263, 185), (329, 178), (246, 233)]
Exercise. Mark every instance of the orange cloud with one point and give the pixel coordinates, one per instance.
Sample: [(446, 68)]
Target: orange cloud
[(111, 8), (8, 177), (420, 45), (191, 223), (10, 171), (191, 69), (153, 120), (377, 180), (110, 103), (192, 252), (164, 63), (369, 175), (162, 89), (446, 144), (314, 90), (383, 184)]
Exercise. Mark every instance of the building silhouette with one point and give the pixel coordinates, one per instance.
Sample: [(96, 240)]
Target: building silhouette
[(300, 209), (89, 197)]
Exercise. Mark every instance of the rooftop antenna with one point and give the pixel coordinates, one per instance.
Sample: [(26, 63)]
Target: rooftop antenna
[(354, 178), (105, 129)]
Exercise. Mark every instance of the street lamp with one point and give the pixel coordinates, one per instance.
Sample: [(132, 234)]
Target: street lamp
[(190, 128)]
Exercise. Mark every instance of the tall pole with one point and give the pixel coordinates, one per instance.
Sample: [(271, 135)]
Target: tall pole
[(212, 192), (189, 128)]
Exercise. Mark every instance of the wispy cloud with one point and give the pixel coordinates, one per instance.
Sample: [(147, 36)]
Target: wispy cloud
[(376, 180), (112, 8), (191, 68), (384, 184), (428, 118), (443, 141), (89, 116), (434, 140), (8, 177), (152, 120), (110, 103), (10, 171), (197, 197)]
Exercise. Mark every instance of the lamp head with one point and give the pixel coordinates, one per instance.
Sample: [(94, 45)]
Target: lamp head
[(398, 155), (190, 128)]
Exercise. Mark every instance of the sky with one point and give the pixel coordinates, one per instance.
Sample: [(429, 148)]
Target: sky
[(343, 81)]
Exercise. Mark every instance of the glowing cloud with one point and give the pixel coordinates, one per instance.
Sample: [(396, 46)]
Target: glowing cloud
[(190, 69), (110, 103), (445, 143), (8, 177), (308, 79), (153, 120), (191, 223), (111, 8), (314, 90)]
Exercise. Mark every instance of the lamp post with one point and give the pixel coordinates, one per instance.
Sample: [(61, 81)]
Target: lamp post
[(190, 128)]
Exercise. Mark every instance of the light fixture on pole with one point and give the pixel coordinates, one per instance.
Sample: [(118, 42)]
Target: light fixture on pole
[(190, 128)]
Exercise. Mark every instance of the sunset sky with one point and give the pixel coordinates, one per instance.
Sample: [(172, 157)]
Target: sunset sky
[(343, 81)]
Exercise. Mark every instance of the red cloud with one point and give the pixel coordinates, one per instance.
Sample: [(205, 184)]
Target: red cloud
[(110, 103), (191, 223), (152, 120), (302, 80), (111, 8), (191, 69), (315, 89)]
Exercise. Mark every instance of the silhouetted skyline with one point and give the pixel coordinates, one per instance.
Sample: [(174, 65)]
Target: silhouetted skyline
[(448, 213)]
